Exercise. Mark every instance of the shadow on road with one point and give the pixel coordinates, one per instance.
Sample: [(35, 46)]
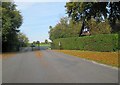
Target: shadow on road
[(44, 47), (29, 49), (25, 50)]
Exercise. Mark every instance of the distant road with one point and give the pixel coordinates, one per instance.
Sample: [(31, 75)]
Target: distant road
[(54, 67)]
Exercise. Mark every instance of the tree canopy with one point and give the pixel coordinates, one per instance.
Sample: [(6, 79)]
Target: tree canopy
[(65, 28), (99, 17), (11, 21), (69, 28), (23, 39), (98, 10), (46, 41)]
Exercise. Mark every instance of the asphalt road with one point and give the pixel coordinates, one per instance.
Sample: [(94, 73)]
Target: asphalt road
[(54, 67)]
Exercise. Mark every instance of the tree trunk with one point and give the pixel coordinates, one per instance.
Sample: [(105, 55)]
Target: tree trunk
[(83, 24)]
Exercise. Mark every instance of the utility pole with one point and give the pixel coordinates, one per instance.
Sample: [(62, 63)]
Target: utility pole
[(59, 45)]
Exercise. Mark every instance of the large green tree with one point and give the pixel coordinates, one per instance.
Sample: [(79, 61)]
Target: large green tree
[(84, 11), (65, 28), (59, 30), (11, 21), (23, 39)]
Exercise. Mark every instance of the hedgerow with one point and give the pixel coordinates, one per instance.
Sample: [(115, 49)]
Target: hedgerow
[(101, 42)]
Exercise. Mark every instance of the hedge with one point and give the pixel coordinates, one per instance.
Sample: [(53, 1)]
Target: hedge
[(102, 42)]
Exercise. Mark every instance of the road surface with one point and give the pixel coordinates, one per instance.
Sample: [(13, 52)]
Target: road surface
[(54, 67)]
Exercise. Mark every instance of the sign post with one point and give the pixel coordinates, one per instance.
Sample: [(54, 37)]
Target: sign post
[(60, 45)]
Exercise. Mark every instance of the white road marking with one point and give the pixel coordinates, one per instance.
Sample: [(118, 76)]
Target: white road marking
[(100, 64)]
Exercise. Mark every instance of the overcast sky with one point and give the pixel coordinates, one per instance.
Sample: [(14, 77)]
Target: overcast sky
[(38, 16)]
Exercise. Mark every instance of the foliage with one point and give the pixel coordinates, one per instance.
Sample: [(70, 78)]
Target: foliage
[(99, 28), (38, 43), (69, 28), (102, 42), (46, 41), (65, 28), (11, 21), (23, 39), (101, 18), (99, 10), (34, 42), (59, 30)]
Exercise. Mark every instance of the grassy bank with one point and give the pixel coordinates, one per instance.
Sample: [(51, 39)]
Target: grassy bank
[(109, 58), (7, 55)]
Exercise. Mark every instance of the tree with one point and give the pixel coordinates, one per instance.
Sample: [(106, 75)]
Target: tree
[(99, 28), (37, 42), (65, 28), (34, 42), (11, 21), (46, 41), (23, 39), (84, 11), (60, 29)]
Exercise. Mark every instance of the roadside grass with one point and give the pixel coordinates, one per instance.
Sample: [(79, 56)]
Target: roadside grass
[(0, 56), (42, 45), (7, 55), (38, 53), (108, 58)]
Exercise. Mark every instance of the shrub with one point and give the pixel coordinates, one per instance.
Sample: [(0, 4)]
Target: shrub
[(102, 42)]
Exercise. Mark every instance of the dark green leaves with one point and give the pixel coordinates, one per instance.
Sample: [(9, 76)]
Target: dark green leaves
[(11, 21)]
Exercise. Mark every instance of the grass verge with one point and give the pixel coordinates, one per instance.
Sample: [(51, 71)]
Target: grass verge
[(109, 58), (7, 55)]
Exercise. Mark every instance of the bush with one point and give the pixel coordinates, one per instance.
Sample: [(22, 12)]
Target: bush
[(102, 42)]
